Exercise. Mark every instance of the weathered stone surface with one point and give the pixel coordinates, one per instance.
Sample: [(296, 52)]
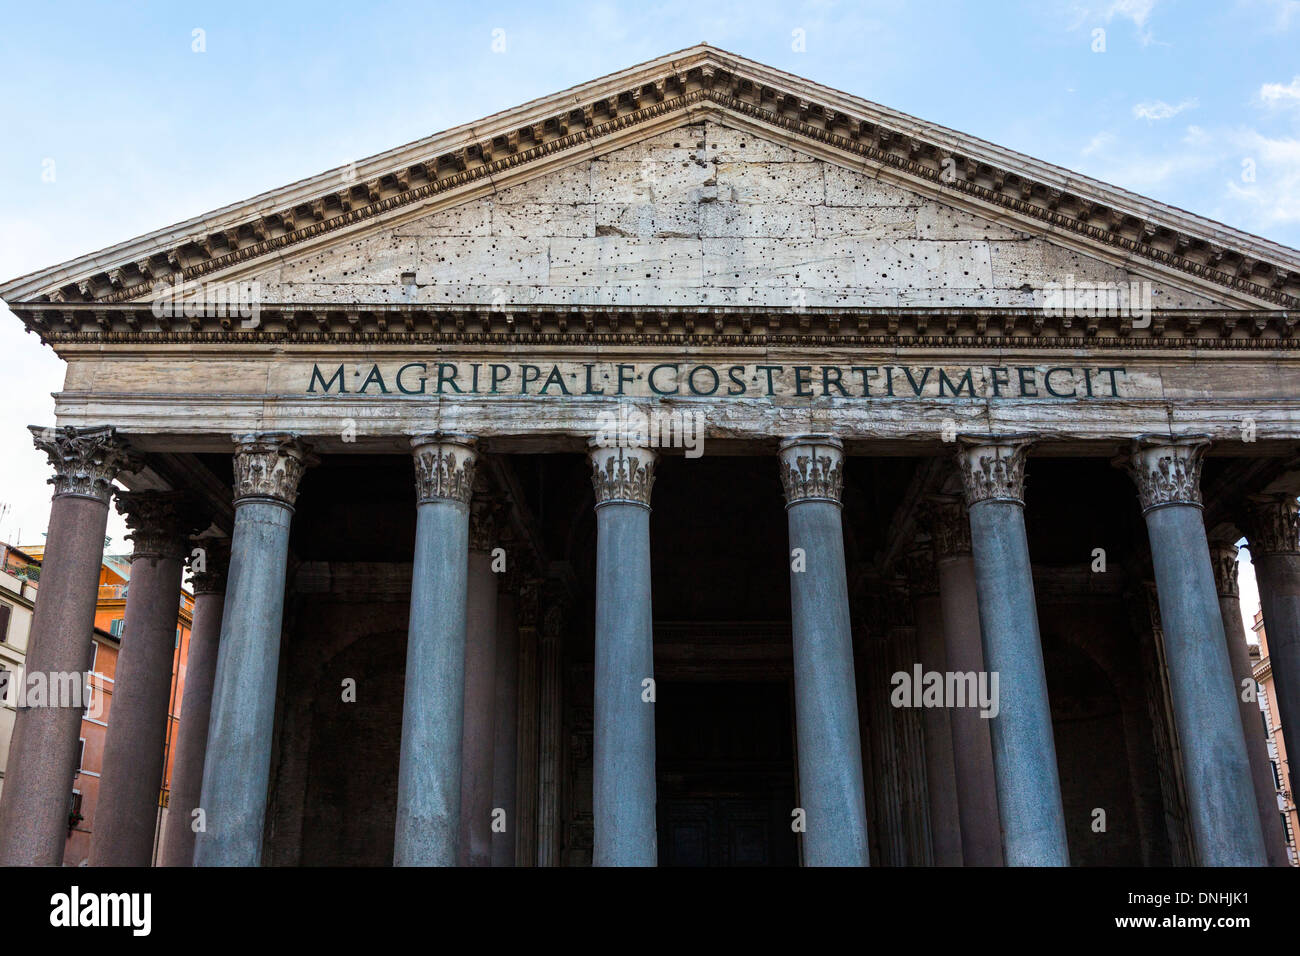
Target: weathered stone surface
[(703, 213)]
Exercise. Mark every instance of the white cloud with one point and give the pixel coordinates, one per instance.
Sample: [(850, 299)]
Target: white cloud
[(1160, 110), (1275, 95), (1098, 143), (1090, 12), (1139, 11), (1273, 197)]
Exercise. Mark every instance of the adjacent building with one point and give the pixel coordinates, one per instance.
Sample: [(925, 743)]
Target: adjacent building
[(19, 576), (1277, 750), (106, 642)]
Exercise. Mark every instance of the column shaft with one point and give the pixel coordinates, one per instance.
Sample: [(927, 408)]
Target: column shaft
[(126, 816), (940, 766), (478, 740), (428, 781), (43, 748), (1224, 556), (947, 522), (1221, 802), (1024, 749), (550, 694), (826, 705), (237, 764), (526, 772), (624, 718), (623, 728), (196, 707), (506, 731)]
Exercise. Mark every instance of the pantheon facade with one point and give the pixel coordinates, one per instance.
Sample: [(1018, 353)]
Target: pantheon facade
[(699, 466)]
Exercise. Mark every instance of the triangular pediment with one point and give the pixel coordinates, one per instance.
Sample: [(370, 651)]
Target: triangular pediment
[(602, 195), (701, 214)]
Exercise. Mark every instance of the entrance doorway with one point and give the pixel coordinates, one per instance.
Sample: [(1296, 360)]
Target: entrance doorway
[(725, 769)]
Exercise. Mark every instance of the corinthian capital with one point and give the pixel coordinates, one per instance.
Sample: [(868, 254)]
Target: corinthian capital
[(444, 467), (1223, 559), (209, 567), (622, 475), (921, 572), (270, 465), (993, 467), (85, 460), (945, 519), (160, 522), (1167, 471), (812, 469), (486, 514), (1271, 524)]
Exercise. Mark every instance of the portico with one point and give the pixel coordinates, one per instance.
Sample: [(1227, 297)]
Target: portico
[(465, 621)]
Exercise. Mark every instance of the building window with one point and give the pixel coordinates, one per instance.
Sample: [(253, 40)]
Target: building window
[(74, 811), (115, 627), (81, 752), (94, 655), (1277, 780), (6, 611)]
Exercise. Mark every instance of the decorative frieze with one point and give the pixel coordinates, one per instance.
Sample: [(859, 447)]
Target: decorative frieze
[(1167, 471), (85, 460), (1271, 524), (993, 467), (812, 469), (622, 474), (1223, 559), (927, 327), (160, 523), (270, 465), (945, 519), (444, 467), (210, 577)]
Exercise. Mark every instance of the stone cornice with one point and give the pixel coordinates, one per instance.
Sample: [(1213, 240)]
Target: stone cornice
[(724, 325), (602, 114)]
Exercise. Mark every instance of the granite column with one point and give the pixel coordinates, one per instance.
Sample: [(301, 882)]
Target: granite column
[(826, 706), (1024, 749)]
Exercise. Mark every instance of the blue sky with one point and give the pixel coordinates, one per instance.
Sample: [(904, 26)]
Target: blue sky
[(141, 131)]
